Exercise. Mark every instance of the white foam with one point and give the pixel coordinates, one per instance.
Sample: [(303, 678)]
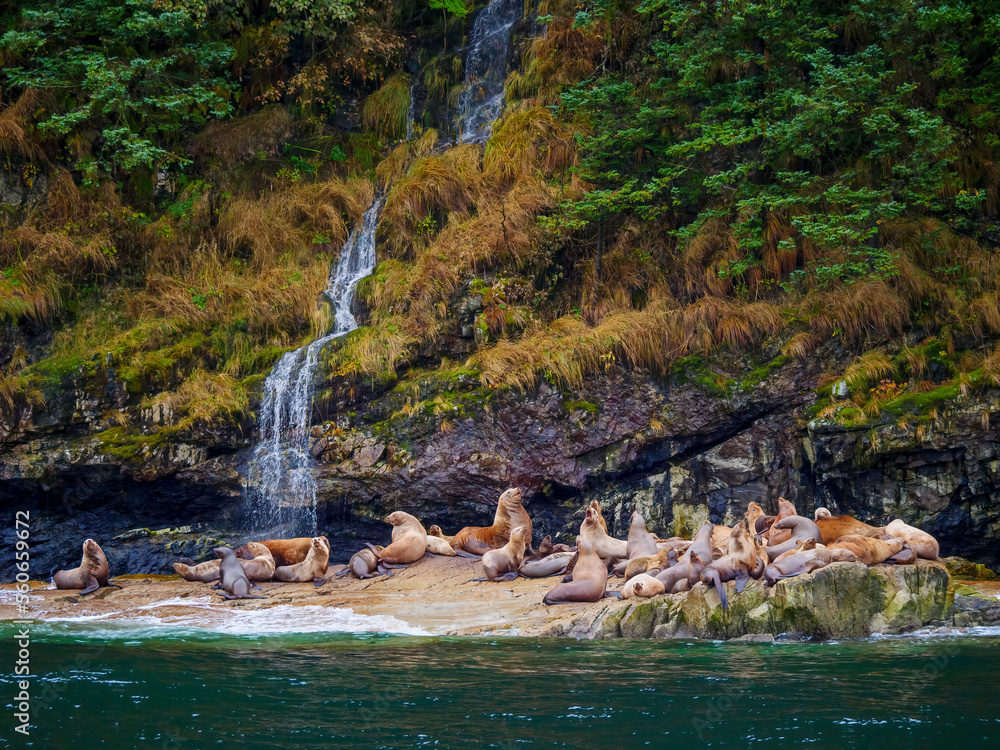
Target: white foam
[(215, 618)]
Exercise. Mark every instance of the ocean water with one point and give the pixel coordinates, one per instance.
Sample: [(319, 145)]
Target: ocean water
[(149, 683)]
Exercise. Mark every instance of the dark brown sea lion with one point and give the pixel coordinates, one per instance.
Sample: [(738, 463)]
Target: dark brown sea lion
[(284, 551), (642, 585), (702, 546), (869, 550), (502, 564), (545, 548), (797, 562), (92, 573), (590, 576), (921, 542), (798, 528), (737, 565), (313, 568), (553, 565), (834, 527), (478, 540), (232, 578), (409, 540)]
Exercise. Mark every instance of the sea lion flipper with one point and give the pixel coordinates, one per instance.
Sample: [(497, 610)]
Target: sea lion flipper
[(508, 576), (741, 580), (477, 580), (92, 585), (463, 553), (373, 548), (114, 586), (186, 561), (612, 595), (342, 573), (318, 581)]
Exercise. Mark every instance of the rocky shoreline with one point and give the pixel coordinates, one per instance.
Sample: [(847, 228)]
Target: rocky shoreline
[(438, 597)]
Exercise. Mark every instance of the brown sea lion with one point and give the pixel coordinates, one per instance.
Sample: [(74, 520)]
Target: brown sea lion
[(284, 551), (640, 541), (802, 546), (596, 507), (695, 567), (642, 585), (502, 564), (797, 562), (920, 541), (702, 546), (778, 534), (232, 578), (869, 550), (821, 513), (409, 540), (553, 565), (545, 548), (720, 540), (798, 528), (604, 545), (478, 540), (438, 546), (590, 576), (834, 527), (662, 559), (313, 568), (364, 564), (737, 565), (905, 556), (92, 573), (753, 514)]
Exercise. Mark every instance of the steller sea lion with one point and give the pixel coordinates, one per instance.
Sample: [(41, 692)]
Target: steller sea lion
[(798, 528), (232, 578), (553, 565), (590, 576), (695, 567), (284, 551), (438, 546), (205, 572), (364, 564), (259, 568), (720, 540), (92, 573), (778, 534), (435, 530), (869, 550), (801, 546), (804, 560), (834, 527), (702, 546), (737, 565), (596, 507), (313, 568), (475, 541), (604, 545), (642, 585), (502, 564), (640, 541), (921, 542), (821, 513), (409, 540)]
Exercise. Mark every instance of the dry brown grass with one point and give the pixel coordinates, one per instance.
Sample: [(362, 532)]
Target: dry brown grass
[(801, 346), (205, 398), (244, 138), (16, 139)]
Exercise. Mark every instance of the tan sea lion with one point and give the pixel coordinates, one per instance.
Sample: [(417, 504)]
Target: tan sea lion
[(409, 540), (232, 578), (640, 541), (604, 545), (205, 572), (695, 567), (553, 565), (920, 541), (364, 564), (259, 568), (797, 562), (701, 546), (798, 528), (438, 546), (869, 550), (92, 573), (753, 514), (478, 540), (435, 530), (834, 527), (642, 585), (720, 540), (596, 507), (778, 534), (821, 513), (502, 564), (737, 565), (662, 559), (590, 576), (313, 568), (801, 546), (284, 551)]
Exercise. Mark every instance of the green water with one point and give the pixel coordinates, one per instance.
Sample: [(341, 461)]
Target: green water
[(181, 689)]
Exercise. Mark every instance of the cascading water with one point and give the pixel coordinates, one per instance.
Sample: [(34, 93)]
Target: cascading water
[(411, 113), (481, 99), (281, 489)]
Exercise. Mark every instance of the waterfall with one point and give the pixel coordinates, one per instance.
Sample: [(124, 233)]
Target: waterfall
[(281, 489), (411, 113), (481, 99)]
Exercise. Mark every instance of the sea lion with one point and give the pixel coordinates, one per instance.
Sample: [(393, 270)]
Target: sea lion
[(834, 527), (702, 546), (642, 585), (435, 530), (313, 568), (92, 573), (720, 540), (478, 540), (821, 513), (259, 568), (205, 572), (409, 540), (545, 548), (662, 559), (438, 546), (753, 515), (905, 556), (802, 546), (921, 542), (798, 528), (778, 534), (232, 578), (869, 550), (799, 561), (590, 576), (284, 551), (604, 545), (553, 565), (695, 567), (364, 564), (640, 541), (502, 564), (737, 565), (596, 507)]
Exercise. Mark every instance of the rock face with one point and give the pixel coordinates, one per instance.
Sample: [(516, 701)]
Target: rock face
[(842, 600)]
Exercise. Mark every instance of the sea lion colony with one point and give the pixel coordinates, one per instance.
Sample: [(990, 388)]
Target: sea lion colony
[(765, 547)]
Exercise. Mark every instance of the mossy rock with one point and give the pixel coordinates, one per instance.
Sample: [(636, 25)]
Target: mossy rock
[(962, 568)]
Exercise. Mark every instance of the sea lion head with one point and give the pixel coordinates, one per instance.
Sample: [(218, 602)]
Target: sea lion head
[(223, 552), (396, 518), (320, 544), (435, 530), (637, 517), (637, 587), (90, 547), (822, 513), (510, 497), (519, 535), (842, 555), (254, 549), (805, 544)]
